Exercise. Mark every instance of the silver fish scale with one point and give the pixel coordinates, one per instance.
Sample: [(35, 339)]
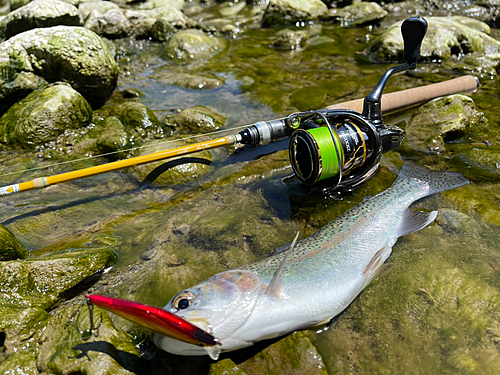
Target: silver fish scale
[(349, 242)]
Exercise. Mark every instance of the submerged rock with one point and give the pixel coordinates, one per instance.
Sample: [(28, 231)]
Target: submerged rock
[(445, 37), (41, 282), (289, 12), (357, 14), (197, 120), (44, 115), (442, 120), (193, 44), (10, 247), (74, 55), (480, 164), (40, 13)]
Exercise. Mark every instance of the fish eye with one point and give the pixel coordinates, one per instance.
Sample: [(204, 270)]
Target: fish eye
[(183, 300)]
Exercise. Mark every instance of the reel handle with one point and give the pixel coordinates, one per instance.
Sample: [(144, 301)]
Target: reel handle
[(413, 31)]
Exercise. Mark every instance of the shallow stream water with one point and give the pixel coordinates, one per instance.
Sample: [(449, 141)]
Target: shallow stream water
[(433, 309)]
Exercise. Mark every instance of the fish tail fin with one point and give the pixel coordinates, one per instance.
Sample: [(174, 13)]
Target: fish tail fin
[(438, 180)]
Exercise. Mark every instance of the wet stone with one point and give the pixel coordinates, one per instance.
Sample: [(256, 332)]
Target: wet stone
[(112, 24), (40, 13), (10, 247), (441, 121), (289, 12), (193, 44), (74, 55), (136, 117), (357, 14), (44, 115), (197, 120), (445, 37), (480, 164)]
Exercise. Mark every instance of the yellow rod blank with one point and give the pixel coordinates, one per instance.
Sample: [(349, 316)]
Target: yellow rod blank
[(42, 182)]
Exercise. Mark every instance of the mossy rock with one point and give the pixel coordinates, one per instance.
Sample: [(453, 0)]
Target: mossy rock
[(308, 97), (67, 345), (289, 12), (136, 117), (445, 37), (74, 55), (40, 282), (40, 13), (442, 120), (480, 164), (11, 248), (112, 24), (44, 115), (357, 14), (197, 120), (192, 44)]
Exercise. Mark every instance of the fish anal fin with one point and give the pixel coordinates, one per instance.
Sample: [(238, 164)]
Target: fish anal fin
[(374, 264), (415, 220), (276, 283)]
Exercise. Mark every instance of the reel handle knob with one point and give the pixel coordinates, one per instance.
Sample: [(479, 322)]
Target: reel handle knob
[(413, 30)]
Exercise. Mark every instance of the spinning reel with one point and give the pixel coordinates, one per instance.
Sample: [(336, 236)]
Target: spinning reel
[(341, 146)]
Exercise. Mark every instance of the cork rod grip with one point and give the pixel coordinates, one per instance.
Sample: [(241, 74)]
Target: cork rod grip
[(407, 98)]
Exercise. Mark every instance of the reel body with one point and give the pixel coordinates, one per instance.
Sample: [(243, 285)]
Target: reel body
[(342, 147)]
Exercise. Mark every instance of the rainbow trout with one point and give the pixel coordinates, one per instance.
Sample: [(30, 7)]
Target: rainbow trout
[(314, 280)]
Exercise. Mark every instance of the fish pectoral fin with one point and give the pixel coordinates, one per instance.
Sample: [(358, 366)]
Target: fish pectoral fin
[(275, 286), (415, 220), (374, 264), (213, 351)]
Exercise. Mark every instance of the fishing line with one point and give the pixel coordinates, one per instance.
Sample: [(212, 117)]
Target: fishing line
[(119, 151)]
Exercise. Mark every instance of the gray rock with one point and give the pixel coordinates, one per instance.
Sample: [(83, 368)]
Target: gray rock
[(111, 24), (43, 115), (74, 55), (357, 14), (289, 12), (100, 6), (442, 120), (445, 37), (40, 13), (192, 45)]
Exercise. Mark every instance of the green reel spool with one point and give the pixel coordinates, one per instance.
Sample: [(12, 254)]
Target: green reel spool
[(315, 154)]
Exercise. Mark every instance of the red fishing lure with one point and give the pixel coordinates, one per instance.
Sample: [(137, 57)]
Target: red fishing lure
[(155, 319)]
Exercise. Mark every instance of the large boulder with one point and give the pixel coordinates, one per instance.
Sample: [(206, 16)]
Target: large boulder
[(61, 53), (446, 36), (44, 115), (289, 12), (40, 13)]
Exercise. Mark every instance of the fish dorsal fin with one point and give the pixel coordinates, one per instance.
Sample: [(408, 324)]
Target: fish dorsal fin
[(374, 264), (275, 285), (213, 351), (415, 220)]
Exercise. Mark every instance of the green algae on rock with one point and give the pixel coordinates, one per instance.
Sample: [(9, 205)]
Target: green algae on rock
[(10, 247), (44, 115), (40, 13), (193, 44), (40, 282), (136, 117), (289, 12), (480, 164), (74, 55), (197, 120), (445, 37), (356, 14), (440, 121)]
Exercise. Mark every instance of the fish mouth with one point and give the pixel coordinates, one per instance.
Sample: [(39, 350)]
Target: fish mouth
[(155, 319)]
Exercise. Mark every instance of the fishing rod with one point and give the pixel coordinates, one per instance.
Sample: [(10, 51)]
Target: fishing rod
[(341, 143)]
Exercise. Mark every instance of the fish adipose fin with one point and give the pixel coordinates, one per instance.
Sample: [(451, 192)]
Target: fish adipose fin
[(378, 259), (415, 220), (275, 285), (438, 181)]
